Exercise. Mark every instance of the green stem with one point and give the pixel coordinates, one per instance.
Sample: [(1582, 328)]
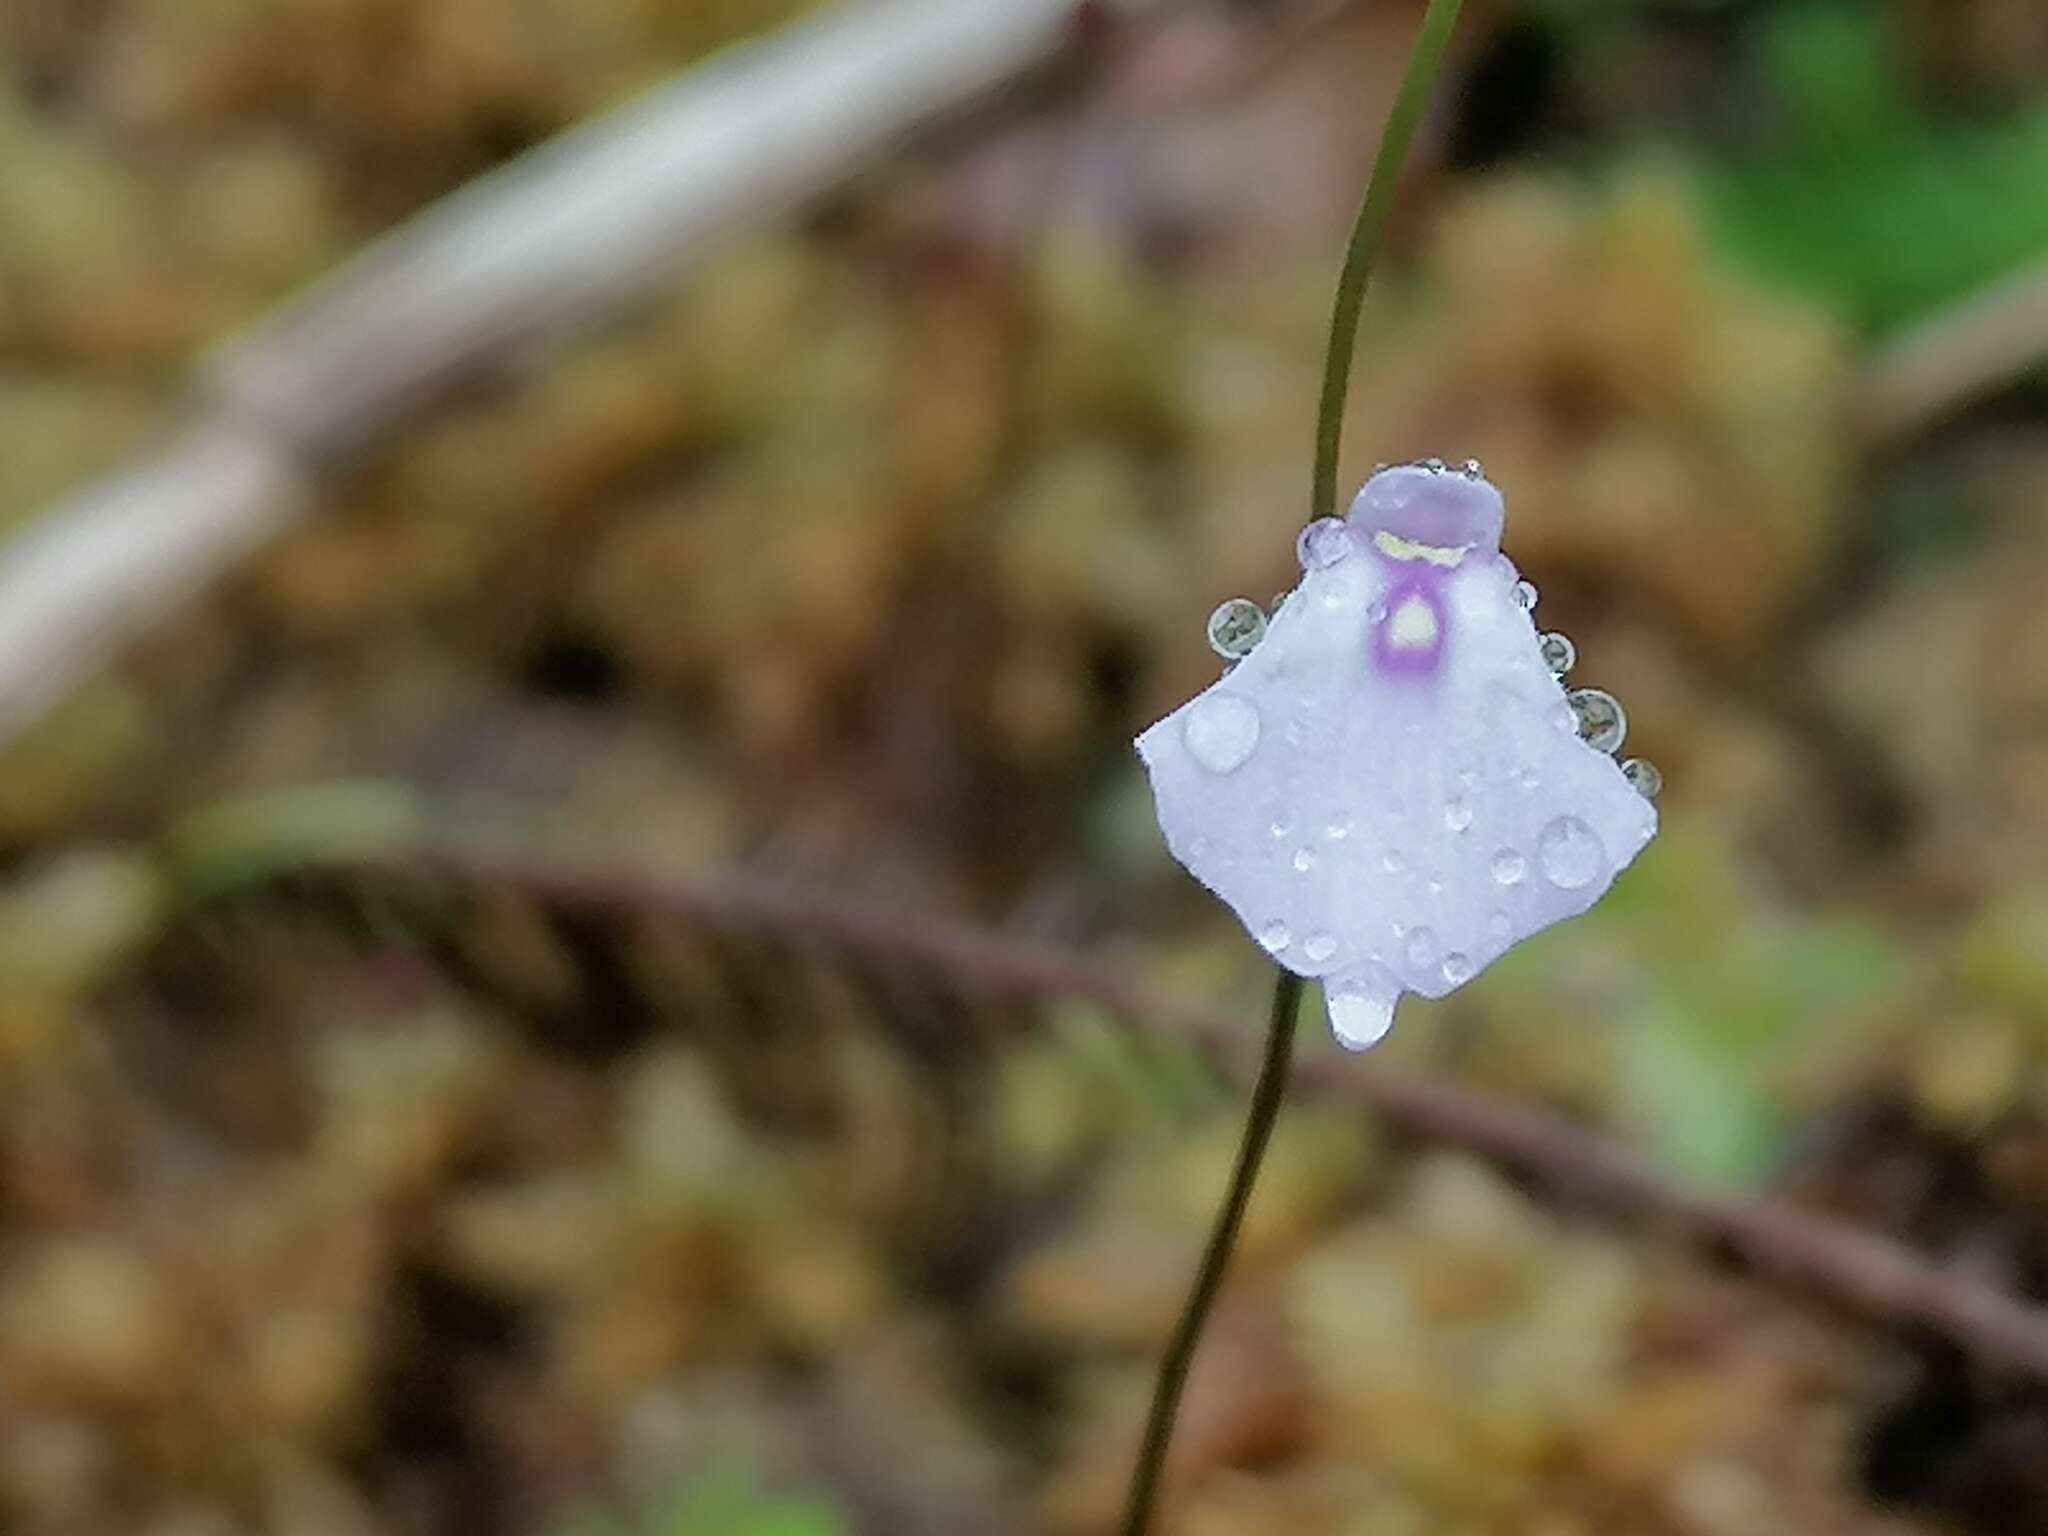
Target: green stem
[(1359, 256), (1364, 247), (1180, 1349)]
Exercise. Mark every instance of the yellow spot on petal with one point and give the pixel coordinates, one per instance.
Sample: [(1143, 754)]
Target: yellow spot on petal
[(1394, 547), (1413, 627)]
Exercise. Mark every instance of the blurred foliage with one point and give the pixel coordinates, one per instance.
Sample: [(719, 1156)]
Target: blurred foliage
[(720, 1505)]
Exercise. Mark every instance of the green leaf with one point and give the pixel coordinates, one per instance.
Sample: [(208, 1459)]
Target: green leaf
[(1701, 1111), (1866, 199)]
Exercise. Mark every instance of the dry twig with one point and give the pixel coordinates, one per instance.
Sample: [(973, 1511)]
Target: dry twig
[(1858, 1272)]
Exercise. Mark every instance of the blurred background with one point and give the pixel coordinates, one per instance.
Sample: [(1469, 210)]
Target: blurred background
[(346, 1191)]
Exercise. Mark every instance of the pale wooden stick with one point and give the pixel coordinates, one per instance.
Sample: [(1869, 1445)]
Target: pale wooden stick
[(585, 221)]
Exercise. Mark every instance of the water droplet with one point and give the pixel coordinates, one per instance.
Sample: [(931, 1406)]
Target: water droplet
[(1469, 777), (1297, 732), (1236, 628), (1458, 813), (1274, 937), (1434, 466), (1436, 883), (1474, 469), (1565, 720), (1524, 596), (1323, 543), (1280, 827), (1319, 946), (1422, 947), (1600, 721), (1393, 861), (1339, 827), (1375, 610), (1529, 778), (1559, 654), (1221, 731), (1500, 925), (1359, 1017), (1335, 600), (1642, 774), (1570, 853), (1457, 968), (1304, 860), (1509, 866)]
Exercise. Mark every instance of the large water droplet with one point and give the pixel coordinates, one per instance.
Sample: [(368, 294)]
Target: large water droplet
[(1570, 853), (1221, 731), (1304, 860), (1359, 1016), (1559, 654), (1457, 968), (1458, 813), (1275, 936), (1236, 628), (1524, 596), (1643, 777), (1509, 866), (1319, 946), (1598, 717), (1323, 543), (1422, 947)]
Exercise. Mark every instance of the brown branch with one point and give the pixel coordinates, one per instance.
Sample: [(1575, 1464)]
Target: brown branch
[(1989, 340), (1860, 1273)]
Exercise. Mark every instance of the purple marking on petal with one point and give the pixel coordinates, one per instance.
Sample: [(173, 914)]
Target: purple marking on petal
[(1412, 637)]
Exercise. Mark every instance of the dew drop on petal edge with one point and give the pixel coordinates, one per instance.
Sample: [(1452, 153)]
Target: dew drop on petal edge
[(1643, 777), (1601, 722), (1236, 628), (1559, 654), (1358, 1017), (1323, 543)]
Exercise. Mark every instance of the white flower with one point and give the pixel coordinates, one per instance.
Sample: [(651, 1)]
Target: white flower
[(1391, 787)]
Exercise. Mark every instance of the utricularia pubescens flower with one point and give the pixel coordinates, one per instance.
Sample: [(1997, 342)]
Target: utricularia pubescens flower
[(1391, 784)]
